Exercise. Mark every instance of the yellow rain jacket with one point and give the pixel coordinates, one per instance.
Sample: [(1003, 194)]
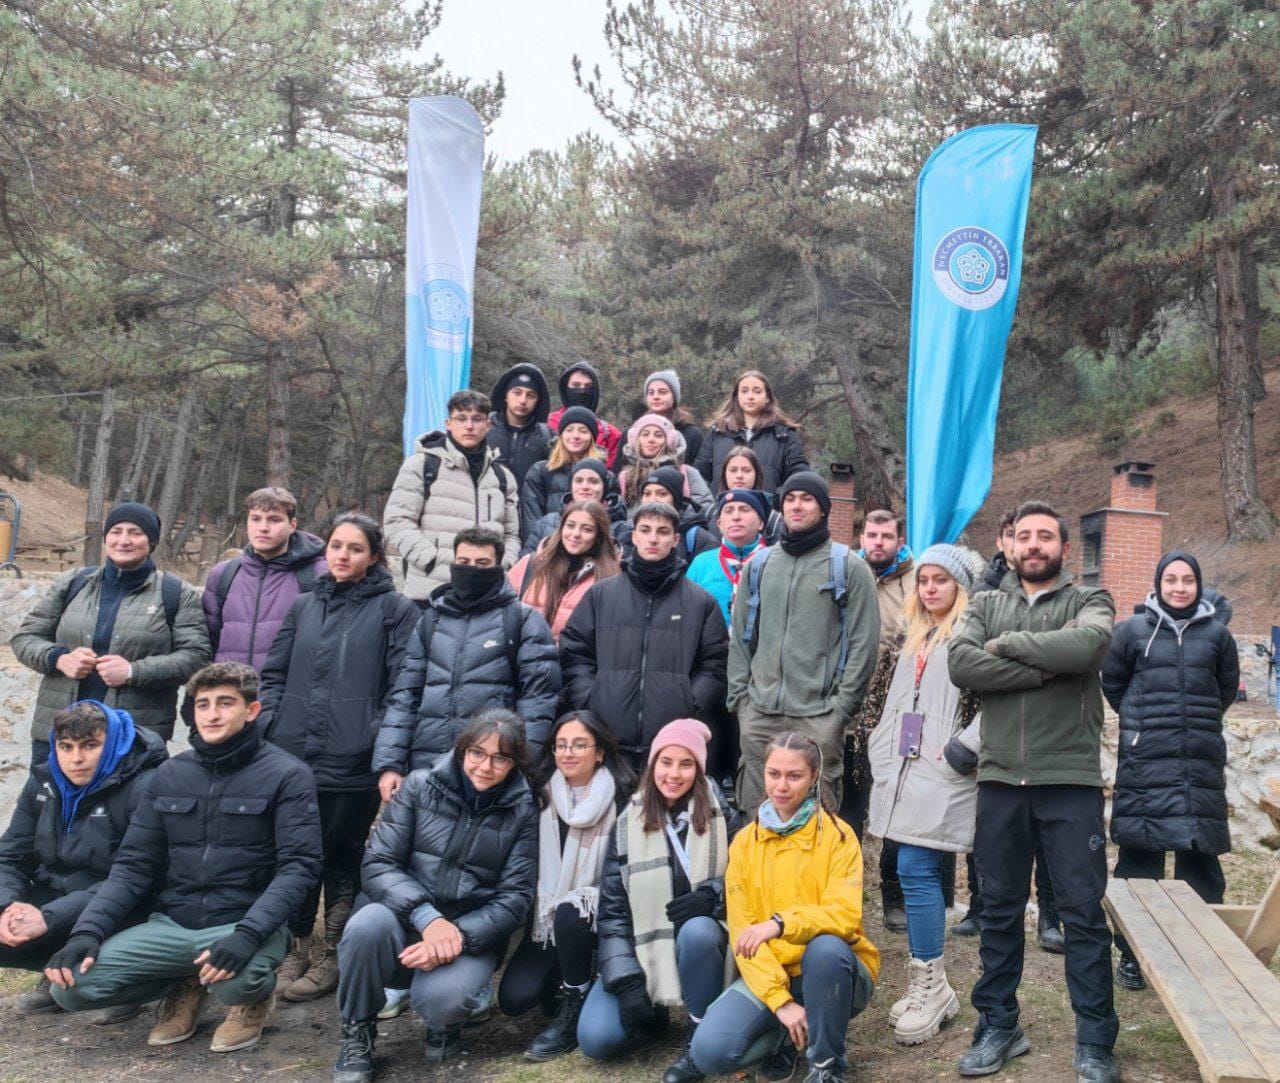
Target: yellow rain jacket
[(812, 879)]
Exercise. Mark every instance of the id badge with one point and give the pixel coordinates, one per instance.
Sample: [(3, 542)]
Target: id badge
[(909, 737)]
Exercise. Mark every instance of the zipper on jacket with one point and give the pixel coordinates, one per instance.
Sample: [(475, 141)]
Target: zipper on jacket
[(644, 658), (786, 621), (257, 605), (1022, 706), (204, 857), (457, 660), (463, 840)]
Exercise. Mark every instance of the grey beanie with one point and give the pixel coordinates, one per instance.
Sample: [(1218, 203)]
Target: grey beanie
[(668, 377), (951, 559)]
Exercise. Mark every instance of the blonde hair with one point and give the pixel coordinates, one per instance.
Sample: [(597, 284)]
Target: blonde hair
[(920, 622), (561, 456)]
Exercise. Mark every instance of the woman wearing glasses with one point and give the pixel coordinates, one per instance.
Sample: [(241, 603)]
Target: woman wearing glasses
[(450, 874), (587, 785)]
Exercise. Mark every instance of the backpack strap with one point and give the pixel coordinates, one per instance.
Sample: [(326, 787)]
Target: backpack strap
[(427, 629), (430, 471), (528, 573), (691, 539), (837, 585), (512, 628), (223, 587), (171, 596), (78, 582), (755, 568), (501, 471)]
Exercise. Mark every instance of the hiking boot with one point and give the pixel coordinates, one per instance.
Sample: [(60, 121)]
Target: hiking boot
[(1049, 933), (967, 926), (895, 914), (682, 1069), (562, 1035), (1095, 1064), (178, 1013), (37, 1001), (395, 1005), (442, 1045), (1129, 973), (900, 1006), (242, 1028), (109, 1017), (295, 962), (355, 1054), (932, 1002), (479, 1007), (991, 1047), (778, 1067), (320, 979)]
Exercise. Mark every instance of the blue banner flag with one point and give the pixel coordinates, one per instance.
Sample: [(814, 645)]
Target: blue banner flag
[(446, 168), (971, 213)]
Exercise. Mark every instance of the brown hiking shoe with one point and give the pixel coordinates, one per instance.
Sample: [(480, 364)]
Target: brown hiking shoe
[(295, 963), (179, 1012), (320, 979), (37, 1001), (242, 1028)]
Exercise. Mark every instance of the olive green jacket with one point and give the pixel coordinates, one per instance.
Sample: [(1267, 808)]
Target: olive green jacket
[(1041, 695)]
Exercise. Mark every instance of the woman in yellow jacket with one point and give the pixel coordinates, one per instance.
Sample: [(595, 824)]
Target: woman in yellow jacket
[(794, 897)]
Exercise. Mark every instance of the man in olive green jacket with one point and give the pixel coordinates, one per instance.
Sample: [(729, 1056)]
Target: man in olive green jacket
[(1033, 649), (785, 678)]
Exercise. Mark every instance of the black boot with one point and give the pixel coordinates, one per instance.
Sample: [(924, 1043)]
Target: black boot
[(1049, 933), (682, 1069), (1129, 973), (355, 1055), (562, 1035), (991, 1047), (895, 914), (442, 1045), (1095, 1064), (967, 926)]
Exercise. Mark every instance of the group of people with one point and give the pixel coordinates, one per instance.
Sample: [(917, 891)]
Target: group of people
[(621, 729)]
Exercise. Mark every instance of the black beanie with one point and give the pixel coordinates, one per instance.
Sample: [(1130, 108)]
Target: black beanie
[(140, 516), (806, 481), (671, 479), (595, 466), (580, 415)]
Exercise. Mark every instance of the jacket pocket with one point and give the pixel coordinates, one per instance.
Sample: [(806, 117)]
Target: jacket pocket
[(177, 814), (176, 805), (243, 820)]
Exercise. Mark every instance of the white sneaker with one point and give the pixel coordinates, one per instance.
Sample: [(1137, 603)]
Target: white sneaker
[(397, 1002), (933, 1002)]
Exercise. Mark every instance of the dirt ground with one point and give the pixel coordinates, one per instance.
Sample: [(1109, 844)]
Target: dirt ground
[(300, 1042)]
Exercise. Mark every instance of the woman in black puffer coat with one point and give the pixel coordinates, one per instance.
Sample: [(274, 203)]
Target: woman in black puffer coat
[(1170, 674), (450, 874)]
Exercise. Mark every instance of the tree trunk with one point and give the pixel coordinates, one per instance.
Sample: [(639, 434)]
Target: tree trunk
[(1248, 517), (880, 466), (93, 517), (192, 519), (233, 478), (176, 471), (77, 467), (132, 477), (277, 364)]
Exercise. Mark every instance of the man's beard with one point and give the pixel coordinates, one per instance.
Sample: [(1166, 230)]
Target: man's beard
[(1053, 565), (881, 563)]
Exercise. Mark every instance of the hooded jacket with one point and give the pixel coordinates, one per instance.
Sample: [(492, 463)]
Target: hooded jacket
[(1041, 700), (162, 658), (519, 448), (466, 670), (610, 436), (230, 836), (640, 660), (258, 599), (423, 531), (431, 856), (776, 445), (1170, 681), (38, 856), (331, 667)]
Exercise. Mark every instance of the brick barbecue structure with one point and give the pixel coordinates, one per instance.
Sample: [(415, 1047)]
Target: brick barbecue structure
[(844, 520), (1122, 542)]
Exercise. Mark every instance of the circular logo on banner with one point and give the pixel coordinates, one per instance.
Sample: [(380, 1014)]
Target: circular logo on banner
[(445, 303), (971, 267)]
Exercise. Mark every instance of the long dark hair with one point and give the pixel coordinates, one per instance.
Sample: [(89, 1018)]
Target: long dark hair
[(511, 741), (742, 452), (370, 528), (729, 416), (792, 741), (553, 564), (653, 806), (606, 740)]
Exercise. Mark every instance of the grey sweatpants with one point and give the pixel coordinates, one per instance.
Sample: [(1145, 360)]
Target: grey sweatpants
[(756, 729), (369, 963)]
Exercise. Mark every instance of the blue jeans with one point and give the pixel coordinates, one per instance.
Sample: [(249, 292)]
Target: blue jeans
[(700, 947), (920, 871), (739, 1029)]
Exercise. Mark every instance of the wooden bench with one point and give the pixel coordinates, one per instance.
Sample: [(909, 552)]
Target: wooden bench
[(1208, 964)]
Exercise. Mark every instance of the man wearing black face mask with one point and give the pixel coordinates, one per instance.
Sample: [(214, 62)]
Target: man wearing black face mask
[(476, 646), (580, 386)]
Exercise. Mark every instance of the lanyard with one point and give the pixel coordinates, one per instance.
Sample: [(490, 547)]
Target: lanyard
[(730, 565)]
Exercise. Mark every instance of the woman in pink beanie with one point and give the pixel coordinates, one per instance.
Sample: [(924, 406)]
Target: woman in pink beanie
[(663, 939), (653, 441)]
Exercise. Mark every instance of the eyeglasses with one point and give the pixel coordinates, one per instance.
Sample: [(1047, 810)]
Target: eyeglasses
[(499, 760), (579, 746)]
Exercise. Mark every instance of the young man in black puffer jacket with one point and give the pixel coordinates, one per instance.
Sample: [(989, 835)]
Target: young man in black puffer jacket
[(228, 843)]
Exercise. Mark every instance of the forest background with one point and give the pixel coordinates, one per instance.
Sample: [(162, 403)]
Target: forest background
[(202, 228)]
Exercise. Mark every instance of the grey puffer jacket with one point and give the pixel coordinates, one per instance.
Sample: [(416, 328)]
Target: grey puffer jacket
[(432, 856), (467, 670), (423, 530), (162, 659)]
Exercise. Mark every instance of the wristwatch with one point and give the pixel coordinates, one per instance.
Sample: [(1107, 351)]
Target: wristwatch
[(782, 927)]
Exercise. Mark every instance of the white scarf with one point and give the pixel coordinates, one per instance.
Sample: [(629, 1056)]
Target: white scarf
[(572, 874)]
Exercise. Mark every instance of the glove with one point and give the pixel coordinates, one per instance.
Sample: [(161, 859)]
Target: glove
[(634, 1005), (74, 952), (701, 902), (233, 951), (960, 757)]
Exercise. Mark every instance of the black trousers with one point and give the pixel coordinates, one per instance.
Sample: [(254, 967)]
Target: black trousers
[(1044, 887), (345, 819), (1067, 822), (536, 970), (1202, 871)]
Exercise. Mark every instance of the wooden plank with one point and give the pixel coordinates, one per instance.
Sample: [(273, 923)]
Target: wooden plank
[(1263, 934), (1236, 918), (1269, 802), (1187, 923), (1221, 1055)]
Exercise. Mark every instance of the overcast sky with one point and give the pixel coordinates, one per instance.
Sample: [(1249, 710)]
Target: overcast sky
[(532, 42)]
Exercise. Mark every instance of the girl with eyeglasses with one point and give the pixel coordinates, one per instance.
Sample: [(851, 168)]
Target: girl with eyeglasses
[(450, 873), (588, 783)]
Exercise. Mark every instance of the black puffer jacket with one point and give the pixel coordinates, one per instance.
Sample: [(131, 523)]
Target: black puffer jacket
[(519, 449), (640, 660), (692, 439), (777, 446), (1170, 688), (478, 870), (546, 526), (542, 492), (331, 666), (38, 854), (227, 835), (468, 670)]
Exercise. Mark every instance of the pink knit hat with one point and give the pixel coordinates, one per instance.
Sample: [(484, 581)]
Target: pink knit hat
[(633, 433), (687, 733)]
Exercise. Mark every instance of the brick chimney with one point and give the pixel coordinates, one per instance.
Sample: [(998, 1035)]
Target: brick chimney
[(844, 505), (1122, 542)]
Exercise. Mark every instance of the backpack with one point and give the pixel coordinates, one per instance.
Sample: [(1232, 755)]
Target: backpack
[(170, 593), (836, 585), (306, 577), (690, 539), (431, 471), (512, 628)]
